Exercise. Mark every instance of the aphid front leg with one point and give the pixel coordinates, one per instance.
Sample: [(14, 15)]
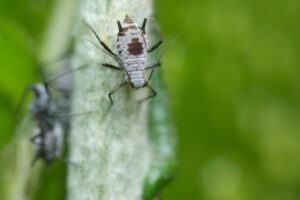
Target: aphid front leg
[(150, 96), (111, 66), (111, 92)]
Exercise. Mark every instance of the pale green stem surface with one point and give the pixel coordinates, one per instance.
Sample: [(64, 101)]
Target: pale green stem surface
[(112, 146)]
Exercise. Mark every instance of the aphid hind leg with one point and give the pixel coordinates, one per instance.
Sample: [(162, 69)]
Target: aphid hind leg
[(150, 76), (155, 46), (111, 92), (39, 155), (36, 157), (154, 93), (153, 66)]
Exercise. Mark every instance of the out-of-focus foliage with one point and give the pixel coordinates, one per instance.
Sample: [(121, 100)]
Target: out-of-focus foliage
[(22, 25), (234, 78)]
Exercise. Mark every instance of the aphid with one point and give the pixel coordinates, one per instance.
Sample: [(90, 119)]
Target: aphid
[(48, 136), (133, 50)]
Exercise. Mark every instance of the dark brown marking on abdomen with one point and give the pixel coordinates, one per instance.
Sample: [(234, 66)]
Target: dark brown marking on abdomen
[(135, 47)]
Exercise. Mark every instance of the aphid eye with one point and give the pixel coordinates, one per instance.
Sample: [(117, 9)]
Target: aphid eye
[(36, 92)]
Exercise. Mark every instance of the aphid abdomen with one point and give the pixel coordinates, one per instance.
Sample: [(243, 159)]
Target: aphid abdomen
[(137, 78), (54, 142), (49, 144), (132, 49)]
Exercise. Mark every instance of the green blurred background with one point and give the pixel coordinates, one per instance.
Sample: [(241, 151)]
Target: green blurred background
[(234, 79)]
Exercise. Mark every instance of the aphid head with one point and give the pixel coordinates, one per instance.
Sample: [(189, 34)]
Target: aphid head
[(127, 25), (40, 91), (41, 100), (128, 20)]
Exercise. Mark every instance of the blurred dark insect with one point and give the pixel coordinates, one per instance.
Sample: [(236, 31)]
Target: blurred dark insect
[(48, 136)]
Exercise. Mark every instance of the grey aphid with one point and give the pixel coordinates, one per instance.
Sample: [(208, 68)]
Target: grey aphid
[(48, 136)]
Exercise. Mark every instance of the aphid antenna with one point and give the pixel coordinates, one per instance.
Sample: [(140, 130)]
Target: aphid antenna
[(45, 65), (100, 41), (57, 59), (102, 50), (64, 74), (108, 51), (117, 59), (49, 81)]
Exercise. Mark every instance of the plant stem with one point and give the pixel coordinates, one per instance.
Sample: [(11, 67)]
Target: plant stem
[(111, 146)]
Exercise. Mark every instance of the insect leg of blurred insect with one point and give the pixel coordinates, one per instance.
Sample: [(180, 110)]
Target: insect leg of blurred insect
[(48, 135), (132, 55)]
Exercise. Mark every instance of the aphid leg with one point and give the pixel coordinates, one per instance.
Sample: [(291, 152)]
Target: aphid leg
[(158, 60), (36, 157), (35, 137), (153, 66), (150, 76), (111, 66), (101, 42), (151, 96), (155, 46), (111, 92)]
